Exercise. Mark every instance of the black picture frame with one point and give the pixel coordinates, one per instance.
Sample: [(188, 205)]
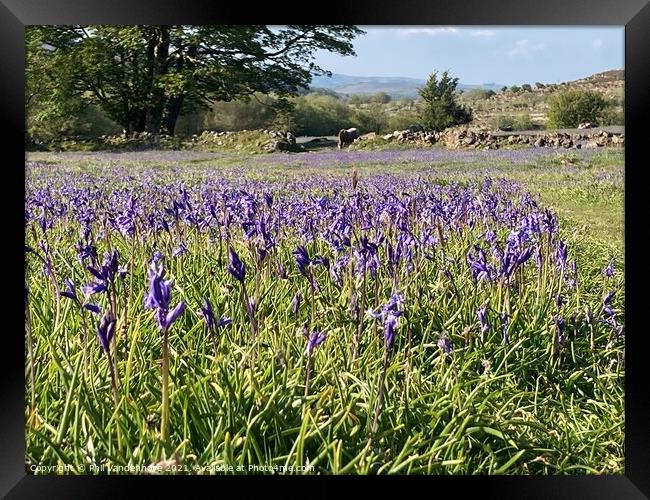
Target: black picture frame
[(633, 14)]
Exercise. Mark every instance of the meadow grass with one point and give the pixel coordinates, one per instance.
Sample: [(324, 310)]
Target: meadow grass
[(526, 406)]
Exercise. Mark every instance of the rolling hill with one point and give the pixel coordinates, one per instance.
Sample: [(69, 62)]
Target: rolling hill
[(395, 86)]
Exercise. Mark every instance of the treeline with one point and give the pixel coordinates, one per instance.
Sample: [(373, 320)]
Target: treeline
[(314, 114)]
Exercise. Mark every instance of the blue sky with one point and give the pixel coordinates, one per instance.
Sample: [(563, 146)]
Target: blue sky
[(483, 54)]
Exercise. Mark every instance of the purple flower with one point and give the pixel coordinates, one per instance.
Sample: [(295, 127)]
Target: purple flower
[(210, 319), (315, 339), (94, 308), (159, 297), (445, 344), (180, 250), (479, 265), (607, 307), (268, 199), (93, 288), (302, 259), (71, 291), (106, 330), (235, 266), (524, 256), (390, 314), (390, 325), (561, 254), (608, 298), (482, 317), (159, 290), (319, 260), (295, 303), (609, 270), (504, 328), (208, 313), (174, 314), (223, 322)]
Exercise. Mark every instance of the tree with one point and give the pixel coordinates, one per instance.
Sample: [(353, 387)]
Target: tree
[(526, 87), (515, 89), (570, 108), (504, 88), (143, 77), (440, 109)]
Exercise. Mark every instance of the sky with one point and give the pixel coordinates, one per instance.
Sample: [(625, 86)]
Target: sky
[(482, 54)]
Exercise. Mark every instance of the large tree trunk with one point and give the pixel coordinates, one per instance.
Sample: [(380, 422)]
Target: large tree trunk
[(174, 104), (157, 58), (172, 112)]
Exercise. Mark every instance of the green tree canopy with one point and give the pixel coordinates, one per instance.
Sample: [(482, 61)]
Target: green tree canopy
[(440, 109), (142, 77)]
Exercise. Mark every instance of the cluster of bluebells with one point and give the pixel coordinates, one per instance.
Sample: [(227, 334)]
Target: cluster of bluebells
[(381, 232)]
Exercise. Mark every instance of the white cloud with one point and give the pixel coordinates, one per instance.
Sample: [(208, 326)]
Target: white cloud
[(598, 43), (484, 33), (405, 32), (525, 48)]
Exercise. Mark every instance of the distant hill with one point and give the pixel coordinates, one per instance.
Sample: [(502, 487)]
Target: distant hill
[(395, 86)]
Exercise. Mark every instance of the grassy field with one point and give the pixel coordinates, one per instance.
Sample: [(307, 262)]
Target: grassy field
[(390, 312)]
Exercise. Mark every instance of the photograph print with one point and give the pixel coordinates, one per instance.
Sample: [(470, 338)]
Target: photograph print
[(324, 250)]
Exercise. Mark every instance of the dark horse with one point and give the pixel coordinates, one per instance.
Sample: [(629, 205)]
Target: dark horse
[(347, 137)]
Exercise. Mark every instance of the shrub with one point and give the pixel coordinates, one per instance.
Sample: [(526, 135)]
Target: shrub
[(380, 97), (371, 119), (401, 121), (612, 116), (570, 108), (479, 94), (526, 87), (244, 114), (322, 115), (503, 122), (523, 122), (515, 89)]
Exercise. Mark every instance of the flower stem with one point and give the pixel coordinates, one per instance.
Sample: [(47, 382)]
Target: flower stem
[(165, 388), (308, 375), (380, 397), (116, 398)]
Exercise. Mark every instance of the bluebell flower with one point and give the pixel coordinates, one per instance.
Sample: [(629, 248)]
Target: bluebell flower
[(315, 339), (235, 266), (106, 330), (159, 297), (482, 317), (445, 344)]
